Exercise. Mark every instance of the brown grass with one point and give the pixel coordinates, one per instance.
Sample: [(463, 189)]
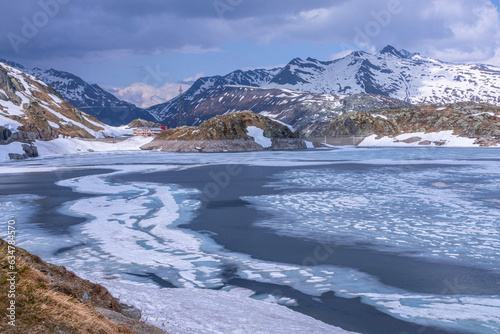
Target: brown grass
[(41, 308)]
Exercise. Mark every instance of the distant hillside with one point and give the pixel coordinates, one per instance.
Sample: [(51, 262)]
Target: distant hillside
[(141, 123), (306, 112)]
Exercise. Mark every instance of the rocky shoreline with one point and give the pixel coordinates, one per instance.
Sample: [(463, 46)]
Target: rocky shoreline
[(223, 145)]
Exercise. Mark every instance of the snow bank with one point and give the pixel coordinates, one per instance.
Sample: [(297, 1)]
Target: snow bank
[(442, 138), (207, 311), (9, 123), (63, 146)]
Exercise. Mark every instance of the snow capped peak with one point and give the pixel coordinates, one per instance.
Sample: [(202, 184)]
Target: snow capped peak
[(390, 50)]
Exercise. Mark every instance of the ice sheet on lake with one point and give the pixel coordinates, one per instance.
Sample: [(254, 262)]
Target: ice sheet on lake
[(132, 228), (395, 208)]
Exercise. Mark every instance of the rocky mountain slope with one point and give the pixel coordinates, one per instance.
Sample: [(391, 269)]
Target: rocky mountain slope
[(90, 98), (480, 122), (306, 112), (50, 299), (391, 73), (31, 110), (241, 131)]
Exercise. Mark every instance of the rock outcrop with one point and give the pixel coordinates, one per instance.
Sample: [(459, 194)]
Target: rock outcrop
[(30, 151), (141, 123), (5, 134), (471, 120), (228, 133)]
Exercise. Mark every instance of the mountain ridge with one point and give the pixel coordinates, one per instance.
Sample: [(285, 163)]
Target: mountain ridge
[(397, 74)]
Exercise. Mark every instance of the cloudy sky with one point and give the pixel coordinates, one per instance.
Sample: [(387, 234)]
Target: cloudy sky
[(154, 45)]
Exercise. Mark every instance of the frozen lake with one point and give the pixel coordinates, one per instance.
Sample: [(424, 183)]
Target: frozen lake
[(369, 240)]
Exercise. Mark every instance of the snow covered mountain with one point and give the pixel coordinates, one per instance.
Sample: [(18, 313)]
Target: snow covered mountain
[(398, 74), (210, 86), (401, 75), (90, 98)]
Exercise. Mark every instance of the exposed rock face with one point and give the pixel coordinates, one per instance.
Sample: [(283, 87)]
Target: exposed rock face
[(203, 146), (230, 126), (361, 124), (466, 119), (487, 141), (227, 133), (5, 133)]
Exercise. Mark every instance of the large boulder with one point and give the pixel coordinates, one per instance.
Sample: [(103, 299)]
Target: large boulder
[(5, 134), (30, 151)]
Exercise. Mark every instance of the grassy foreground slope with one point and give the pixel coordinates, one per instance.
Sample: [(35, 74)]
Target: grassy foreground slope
[(50, 299)]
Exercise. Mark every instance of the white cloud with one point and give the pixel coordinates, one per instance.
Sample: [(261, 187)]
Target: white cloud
[(341, 54), (143, 95), (195, 77), (451, 30)]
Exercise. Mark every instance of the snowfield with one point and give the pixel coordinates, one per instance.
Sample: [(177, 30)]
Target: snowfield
[(444, 138), (62, 146)]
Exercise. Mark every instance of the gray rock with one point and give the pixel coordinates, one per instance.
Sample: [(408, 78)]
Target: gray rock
[(5, 134), (30, 151), (135, 325), (3, 97), (487, 141), (131, 311), (17, 84), (287, 144), (203, 146)]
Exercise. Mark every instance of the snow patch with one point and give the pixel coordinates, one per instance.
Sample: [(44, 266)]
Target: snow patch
[(446, 138), (258, 136)]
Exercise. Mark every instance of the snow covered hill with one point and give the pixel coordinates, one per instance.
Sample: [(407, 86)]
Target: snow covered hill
[(401, 75), (90, 98)]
